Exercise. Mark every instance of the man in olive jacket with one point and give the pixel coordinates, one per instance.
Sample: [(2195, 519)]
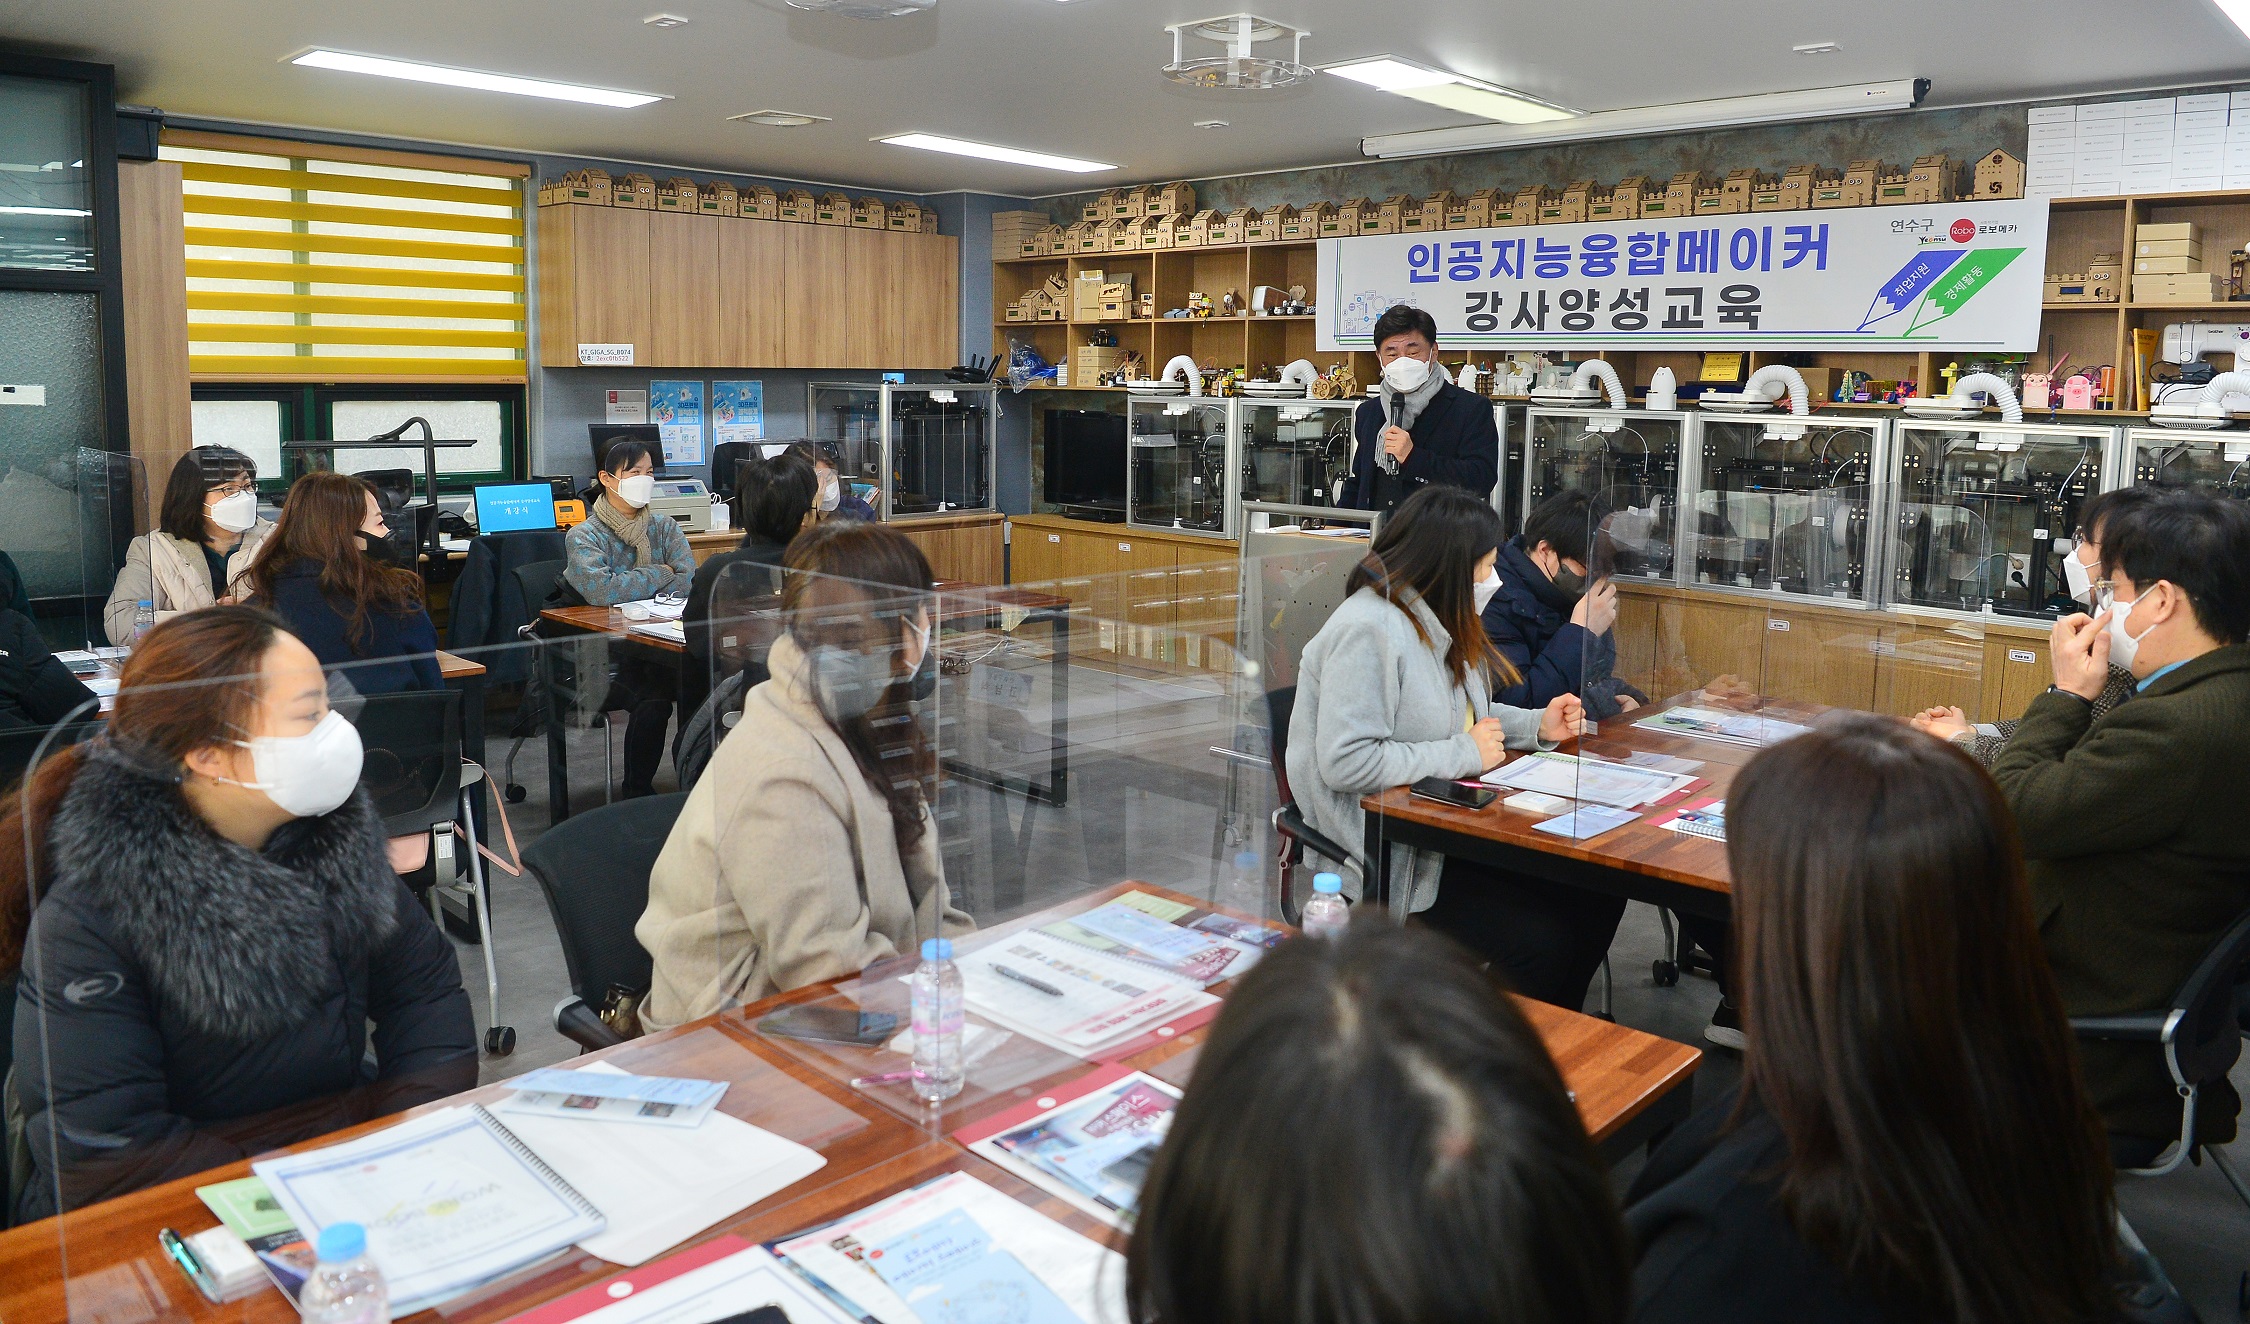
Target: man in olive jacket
[(2132, 823)]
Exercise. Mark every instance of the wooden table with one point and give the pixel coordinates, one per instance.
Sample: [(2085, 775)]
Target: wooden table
[(1639, 861), (1626, 1083), (960, 605)]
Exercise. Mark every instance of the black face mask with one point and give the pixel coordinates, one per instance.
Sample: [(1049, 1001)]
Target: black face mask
[(379, 547), (1568, 581)]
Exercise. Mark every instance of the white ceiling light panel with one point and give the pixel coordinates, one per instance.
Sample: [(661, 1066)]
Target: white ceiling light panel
[(1440, 87), (471, 78), (931, 142)]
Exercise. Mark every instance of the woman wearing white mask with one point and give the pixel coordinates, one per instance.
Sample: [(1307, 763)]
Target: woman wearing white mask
[(625, 552), (2081, 563), (807, 850), (835, 500), (1395, 688), (1421, 428), (207, 533), (215, 926)]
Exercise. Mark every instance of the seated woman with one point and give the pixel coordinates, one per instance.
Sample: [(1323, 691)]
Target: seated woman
[(803, 854), (1394, 689), (36, 690), (327, 573), (775, 501), (1910, 1140), (837, 500), (215, 927), (207, 533), (1374, 1132), (625, 552)]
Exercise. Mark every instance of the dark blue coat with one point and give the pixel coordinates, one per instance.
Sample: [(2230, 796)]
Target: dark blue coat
[(1528, 620), (1455, 441), (406, 638)]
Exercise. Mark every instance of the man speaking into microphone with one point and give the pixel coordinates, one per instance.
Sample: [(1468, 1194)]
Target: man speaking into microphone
[(1421, 429)]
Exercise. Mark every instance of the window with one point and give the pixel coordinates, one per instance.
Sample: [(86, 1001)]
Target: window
[(257, 419), (332, 264)]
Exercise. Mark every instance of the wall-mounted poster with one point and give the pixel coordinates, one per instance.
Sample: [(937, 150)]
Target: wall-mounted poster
[(738, 412), (677, 410)]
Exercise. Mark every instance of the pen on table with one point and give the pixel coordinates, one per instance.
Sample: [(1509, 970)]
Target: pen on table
[(884, 1078), (185, 1258), (1026, 980)]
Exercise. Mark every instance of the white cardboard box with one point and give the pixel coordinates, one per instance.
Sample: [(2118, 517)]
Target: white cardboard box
[(2146, 178), (2186, 138), (2197, 183), (2061, 131), (2200, 161), (2238, 100), (2069, 114), (2202, 102), (2200, 119), (2235, 181), (2095, 188), (2099, 163), (2148, 106)]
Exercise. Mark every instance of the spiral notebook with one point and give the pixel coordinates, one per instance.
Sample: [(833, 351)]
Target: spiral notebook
[(450, 1200)]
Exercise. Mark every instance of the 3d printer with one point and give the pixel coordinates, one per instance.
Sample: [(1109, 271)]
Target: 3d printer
[(1296, 452), (1782, 504), (924, 449), (1628, 460), (1983, 512), (1179, 452)]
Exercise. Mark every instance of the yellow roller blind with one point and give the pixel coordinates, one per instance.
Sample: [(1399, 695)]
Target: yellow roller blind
[(356, 265)]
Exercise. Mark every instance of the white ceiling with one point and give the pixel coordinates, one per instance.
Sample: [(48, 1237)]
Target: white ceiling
[(1078, 78)]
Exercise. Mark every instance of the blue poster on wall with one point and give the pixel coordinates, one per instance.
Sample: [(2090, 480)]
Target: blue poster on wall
[(738, 411), (677, 410)]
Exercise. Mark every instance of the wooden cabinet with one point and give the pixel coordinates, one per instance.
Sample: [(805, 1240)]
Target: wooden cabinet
[(2017, 670), (1822, 656), (1162, 603), (962, 548), (723, 292), (593, 280)]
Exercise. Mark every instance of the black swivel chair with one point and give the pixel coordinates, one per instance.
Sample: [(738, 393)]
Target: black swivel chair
[(575, 700), (593, 869), (1297, 836), (725, 459), (2201, 1033)]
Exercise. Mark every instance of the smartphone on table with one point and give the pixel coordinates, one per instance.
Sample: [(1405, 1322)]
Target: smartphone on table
[(835, 1025), (1454, 793)]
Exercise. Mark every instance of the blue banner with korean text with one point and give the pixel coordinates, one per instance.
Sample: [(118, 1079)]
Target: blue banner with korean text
[(1941, 275)]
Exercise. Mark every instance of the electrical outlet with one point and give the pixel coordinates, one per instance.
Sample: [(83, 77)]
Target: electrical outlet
[(23, 395)]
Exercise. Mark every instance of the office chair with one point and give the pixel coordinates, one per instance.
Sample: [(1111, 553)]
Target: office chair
[(2201, 1033), (19, 747), (593, 869), (420, 784), (1297, 836), (561, 657), (726, 457)]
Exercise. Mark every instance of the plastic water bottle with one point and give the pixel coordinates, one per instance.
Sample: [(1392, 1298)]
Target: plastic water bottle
[(1326, 915), (144, 619), (345, 1287), (937, 1000), (1245, 891)]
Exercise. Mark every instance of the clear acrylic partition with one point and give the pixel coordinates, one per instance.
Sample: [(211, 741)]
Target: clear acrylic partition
[(2216, 462), (1765, 487), (1181, 453), (1632, 457), (1514, 427), (1296, 452), (911, 450), (2013, 489)]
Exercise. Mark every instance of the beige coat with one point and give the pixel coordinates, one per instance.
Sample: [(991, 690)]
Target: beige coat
[(782, 870), (169, 572)]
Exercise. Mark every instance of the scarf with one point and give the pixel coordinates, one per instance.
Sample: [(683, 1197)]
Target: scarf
[(632, 530), (1418, 399)]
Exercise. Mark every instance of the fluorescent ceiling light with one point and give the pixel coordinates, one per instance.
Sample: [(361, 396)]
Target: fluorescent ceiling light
[(2237, 12), (1679, 117), (435, 73), (44, 211), (930, 142), (1439, 87)]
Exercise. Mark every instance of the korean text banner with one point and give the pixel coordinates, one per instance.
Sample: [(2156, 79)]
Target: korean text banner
[(1956, 275)]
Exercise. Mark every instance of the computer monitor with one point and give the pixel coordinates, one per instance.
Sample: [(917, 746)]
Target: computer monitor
[(602, 434), (515, 507), (1085, 458)]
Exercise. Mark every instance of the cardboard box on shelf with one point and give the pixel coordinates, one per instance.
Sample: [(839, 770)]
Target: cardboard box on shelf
[(1856, 188), (1258, 226), (1170, 200), (1797, 183), (1426, 214), (720, 199), (635, 191), (1188, 230), (2197, 287), (1207, 227), (1569, 207), (1116, 310), (1622, 202), (1388, 217), (1235, 227), (757, 203), (1998, 175), (2167, 266), (1529, 202), (1680, 193), (1932, 179), (1288, 222), (1117, 235), (796, 205), (679, 194), (1473, 212), (1154, 231), (1892, 190), (588, 186), (2094, 285), (833, 209), (1101, 208), (1348, 218), (1086, 296), (1737, 187), (2187, 248), (871, 214), (1713, 200), (1089, 362), (1129, 205), (2168, 230), (904, 217)]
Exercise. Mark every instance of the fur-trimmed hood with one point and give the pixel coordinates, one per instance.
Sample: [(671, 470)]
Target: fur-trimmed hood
[(226, 935)]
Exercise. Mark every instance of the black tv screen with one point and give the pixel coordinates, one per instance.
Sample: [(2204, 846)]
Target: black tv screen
[(1085, 458)]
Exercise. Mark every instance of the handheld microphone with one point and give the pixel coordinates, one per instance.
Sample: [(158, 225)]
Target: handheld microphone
[(1398, 415)]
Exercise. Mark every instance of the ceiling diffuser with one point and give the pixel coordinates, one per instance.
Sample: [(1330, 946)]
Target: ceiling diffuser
[(1242, 67)]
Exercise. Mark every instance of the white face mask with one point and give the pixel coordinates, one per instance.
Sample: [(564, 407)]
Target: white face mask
[(636, 490), (235, 512), (1406, 375), (1485, 588), (831, 494), (2123, 644), (2076, 576), (307, 775)]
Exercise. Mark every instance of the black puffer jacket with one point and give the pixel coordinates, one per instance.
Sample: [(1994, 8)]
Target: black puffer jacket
[(194, 1002)]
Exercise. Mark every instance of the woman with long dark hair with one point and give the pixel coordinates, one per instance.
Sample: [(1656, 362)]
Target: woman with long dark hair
[(212, 927), (1375, 1134), (328, 572), (207, 531), (775, 501), (1911, 1140), (1395, 688), (807, 851)]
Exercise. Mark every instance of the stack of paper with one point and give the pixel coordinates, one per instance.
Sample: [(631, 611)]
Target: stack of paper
[(1138, 927), (723, 1278), (1719, 724), (1070, 996), (1591, 781), (613, 1096), (955, 1251), (1092, 1147)]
